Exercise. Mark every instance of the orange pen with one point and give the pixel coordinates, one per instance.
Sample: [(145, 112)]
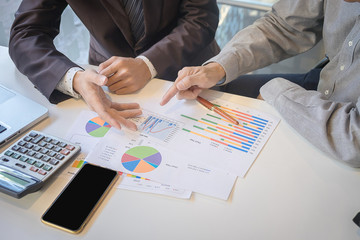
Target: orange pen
[(214, 108)]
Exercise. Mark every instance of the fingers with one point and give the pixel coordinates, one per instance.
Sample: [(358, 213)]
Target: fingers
[(129, 124), (124, 106), (171, 92), (86, 82), (124, 84), (131, 113), (129, 105), (121, 118), (117, 81), (177, 86), (100, 80), (113, 70), (189, 94), (125, 75), (125, 90), (118, 113), (118, 119), (191, 81), (113, 113), (182, 86), (109, 119), (107, 68)]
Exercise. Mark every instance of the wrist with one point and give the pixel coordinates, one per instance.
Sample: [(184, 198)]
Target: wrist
[(144, 66), (217, 71), (65, 85), (150, 67), (76, 81)]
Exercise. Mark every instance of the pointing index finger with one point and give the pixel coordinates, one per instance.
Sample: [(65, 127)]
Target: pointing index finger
[(171, 92)]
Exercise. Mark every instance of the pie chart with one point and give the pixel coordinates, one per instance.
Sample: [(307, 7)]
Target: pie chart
[(97, 127), (141, 159)]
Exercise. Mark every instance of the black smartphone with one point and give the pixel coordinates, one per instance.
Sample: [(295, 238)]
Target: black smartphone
[(74, 206), (356, 219)]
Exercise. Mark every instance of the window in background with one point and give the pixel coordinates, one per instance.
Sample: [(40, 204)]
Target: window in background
[(236, 15), (73, 39)]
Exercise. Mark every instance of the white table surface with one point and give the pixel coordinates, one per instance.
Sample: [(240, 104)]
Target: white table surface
[(292, 191)]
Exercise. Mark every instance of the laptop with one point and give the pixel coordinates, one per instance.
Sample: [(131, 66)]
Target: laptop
[(17, 113)]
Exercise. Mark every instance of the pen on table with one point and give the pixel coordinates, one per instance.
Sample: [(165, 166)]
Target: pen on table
[(214, 108)]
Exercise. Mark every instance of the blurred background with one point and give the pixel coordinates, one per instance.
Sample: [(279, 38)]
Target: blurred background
[(73, 39)]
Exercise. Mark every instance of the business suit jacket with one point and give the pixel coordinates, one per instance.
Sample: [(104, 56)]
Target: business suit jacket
[(178, 33)]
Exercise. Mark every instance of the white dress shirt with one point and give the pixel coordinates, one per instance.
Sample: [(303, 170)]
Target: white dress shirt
[(66, 83)]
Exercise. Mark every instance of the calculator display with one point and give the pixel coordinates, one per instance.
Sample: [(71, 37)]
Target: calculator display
[(15, 180)]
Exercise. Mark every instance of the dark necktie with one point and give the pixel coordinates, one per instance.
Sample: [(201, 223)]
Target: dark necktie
[(134, 9)]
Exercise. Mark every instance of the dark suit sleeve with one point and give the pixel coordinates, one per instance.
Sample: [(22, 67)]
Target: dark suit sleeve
[(192, 36), (31, 45)]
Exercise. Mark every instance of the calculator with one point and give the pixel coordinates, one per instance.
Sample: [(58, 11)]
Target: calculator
[(29, 162)]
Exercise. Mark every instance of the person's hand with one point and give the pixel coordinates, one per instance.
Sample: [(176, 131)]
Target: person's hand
[(88, 84), (125, 75), (192, 80)]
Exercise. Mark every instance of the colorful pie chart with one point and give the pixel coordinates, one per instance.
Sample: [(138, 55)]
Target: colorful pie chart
[(97, 127), (141, 159)]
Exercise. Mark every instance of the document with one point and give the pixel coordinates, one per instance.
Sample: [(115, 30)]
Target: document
[(87, 131), (184, 144), (136, 183), (187, 126), (136, 153)]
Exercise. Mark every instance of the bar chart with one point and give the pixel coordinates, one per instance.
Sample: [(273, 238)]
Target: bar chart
[(191, 129), (240, 137), (215, 140)]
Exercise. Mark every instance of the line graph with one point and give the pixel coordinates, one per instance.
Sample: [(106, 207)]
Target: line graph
[(159, 127)]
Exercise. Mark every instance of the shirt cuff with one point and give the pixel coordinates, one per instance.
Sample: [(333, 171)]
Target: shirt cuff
[(66, 83), (150, 65), (271, 90)]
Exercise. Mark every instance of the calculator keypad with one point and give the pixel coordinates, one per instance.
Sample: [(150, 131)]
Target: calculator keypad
[(38, 154)]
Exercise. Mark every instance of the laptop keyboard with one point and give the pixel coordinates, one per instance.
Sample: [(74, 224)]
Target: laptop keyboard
[(2, 128)]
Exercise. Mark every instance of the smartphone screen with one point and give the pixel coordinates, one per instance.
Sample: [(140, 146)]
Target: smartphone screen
[(75, 204)]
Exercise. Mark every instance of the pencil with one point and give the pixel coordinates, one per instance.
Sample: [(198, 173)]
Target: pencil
[(212, 107)]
